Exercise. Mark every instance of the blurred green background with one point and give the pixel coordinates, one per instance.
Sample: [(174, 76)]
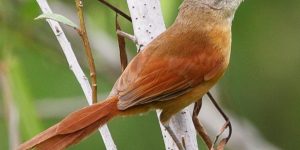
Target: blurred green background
[(261, 85)]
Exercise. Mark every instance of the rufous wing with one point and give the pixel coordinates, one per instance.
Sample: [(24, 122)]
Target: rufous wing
[(167, 68)]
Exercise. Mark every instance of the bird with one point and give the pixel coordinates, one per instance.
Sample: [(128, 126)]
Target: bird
[(173, 71)]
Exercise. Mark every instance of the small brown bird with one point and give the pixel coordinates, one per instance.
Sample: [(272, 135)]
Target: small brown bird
[(173, 71)]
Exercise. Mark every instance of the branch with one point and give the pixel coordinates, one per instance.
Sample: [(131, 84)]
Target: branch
[(122, 46), (118, 11), (147, 24), (75, 67), (83, 34)]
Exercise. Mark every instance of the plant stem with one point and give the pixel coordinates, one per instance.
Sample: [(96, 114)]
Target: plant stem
[(83, 34), (76, 69), (118, 11)]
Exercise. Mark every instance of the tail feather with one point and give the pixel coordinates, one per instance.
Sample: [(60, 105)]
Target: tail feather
[(43, 136), (74, 127), (62, 141), (84, 117), (58, 142)]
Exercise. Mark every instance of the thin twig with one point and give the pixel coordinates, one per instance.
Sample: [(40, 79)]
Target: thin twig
[(122, 46), (126, 35), (117, 10), (75, 67), (83, 34)]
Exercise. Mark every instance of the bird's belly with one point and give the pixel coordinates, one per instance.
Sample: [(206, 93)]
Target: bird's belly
[(194, 95)]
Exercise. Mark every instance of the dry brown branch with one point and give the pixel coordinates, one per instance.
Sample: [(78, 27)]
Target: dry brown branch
[(83, 34)]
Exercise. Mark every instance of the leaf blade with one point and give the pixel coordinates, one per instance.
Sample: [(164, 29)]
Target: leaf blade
[(58, 18)]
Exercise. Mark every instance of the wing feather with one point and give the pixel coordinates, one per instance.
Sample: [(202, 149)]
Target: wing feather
[(169, 66)]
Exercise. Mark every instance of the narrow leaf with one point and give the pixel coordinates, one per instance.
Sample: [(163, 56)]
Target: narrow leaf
[(58, 18), (29, 122)]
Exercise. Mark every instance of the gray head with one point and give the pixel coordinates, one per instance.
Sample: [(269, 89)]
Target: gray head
[(222, 7), (231, 5)]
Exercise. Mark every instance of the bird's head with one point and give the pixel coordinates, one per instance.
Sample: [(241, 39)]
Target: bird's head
[(220, 8)]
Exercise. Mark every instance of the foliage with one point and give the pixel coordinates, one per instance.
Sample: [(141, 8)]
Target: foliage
[(58, 18)]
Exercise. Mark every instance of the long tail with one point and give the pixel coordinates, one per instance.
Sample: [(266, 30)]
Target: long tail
[(74, 127)]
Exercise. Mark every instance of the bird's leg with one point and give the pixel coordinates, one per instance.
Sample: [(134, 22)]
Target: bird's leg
[(225, 126), (173, 135), (223, 142), (198, 126)]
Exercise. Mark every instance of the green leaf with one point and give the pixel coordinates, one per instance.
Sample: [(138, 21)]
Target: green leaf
[(58, 18), (29, 121)]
